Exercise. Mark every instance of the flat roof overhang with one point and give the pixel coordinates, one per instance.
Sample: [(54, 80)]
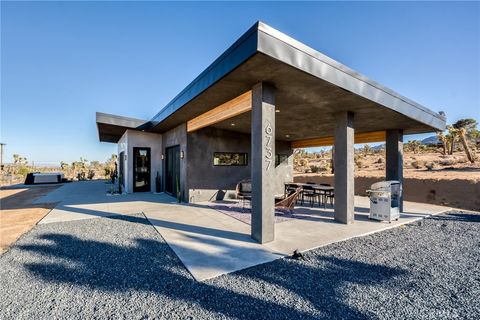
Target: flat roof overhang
[(311, 88), (112, 127)]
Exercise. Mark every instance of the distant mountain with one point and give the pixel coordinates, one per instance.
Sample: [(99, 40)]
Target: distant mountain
[(379, 147), (430, 140)]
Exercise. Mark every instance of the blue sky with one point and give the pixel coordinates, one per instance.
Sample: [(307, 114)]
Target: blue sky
[(62, 62)]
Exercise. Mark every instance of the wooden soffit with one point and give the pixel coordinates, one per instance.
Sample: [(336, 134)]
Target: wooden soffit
[(229, 109), (366, 137)]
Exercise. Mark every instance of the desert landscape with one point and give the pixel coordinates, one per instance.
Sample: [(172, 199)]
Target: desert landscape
[(429, 175)]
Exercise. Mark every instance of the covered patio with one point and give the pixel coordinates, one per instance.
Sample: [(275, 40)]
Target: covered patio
[(288, 93)]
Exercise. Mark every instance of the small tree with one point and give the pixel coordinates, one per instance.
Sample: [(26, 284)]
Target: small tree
[(441, 137), (63, 165), (463, 128), (91, 174), (367, 150), (451, 138)]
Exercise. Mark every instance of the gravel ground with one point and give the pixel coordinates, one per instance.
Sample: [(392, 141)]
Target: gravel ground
[(122, 268)]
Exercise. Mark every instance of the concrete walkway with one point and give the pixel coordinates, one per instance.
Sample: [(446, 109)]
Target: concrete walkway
[(210, 243)]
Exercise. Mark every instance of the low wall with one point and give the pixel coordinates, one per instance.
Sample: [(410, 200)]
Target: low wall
[(456, 193)]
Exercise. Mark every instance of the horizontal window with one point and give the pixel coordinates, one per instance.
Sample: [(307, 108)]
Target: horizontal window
[(230, 159), (279, 158)]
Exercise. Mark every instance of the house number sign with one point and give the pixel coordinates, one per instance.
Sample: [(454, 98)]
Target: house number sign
[(268, 145)]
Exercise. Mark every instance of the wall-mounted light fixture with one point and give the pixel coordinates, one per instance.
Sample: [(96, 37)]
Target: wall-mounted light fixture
[(162, 157), (182, 154)]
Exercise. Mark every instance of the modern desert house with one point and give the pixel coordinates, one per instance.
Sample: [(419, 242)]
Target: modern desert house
[(243, 116)]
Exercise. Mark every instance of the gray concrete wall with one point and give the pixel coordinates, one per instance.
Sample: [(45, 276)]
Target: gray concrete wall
[(209, 182), (133, 138), (174, 137)]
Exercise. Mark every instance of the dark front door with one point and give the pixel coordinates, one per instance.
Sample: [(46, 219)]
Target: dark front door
[(172, 174), (141, 169)]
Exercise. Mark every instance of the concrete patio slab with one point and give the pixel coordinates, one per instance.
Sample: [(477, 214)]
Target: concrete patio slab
[(211, 243), (320, 229), (208, 243)]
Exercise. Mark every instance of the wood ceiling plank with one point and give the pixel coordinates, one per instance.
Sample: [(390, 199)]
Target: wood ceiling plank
[(366, 137), (227, 110)]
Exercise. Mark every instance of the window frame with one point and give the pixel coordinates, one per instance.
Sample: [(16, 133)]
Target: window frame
[(230, 165)]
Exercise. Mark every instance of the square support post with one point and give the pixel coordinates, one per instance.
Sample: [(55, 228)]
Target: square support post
[(394, 158), (263, 163), (344, 167)]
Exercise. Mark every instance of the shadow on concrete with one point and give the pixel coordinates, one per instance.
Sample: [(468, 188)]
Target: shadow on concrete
[(192, 228), (151, 266)]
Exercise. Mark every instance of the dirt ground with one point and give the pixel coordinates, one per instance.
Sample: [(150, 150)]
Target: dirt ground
[(18, 215)]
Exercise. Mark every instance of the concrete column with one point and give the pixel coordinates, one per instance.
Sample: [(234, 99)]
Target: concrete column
[(394, 158), (344, 167), (263, 163)]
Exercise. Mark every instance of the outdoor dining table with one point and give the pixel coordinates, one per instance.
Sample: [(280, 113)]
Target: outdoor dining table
[(323, 190)]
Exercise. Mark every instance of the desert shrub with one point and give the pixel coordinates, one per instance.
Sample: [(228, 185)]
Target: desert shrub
[(418, 164), (358, 160), (90, 174), (447, 162), (321, 168), (303, 162), (430, 165), (23, 170), (326, 167), (81, 176), (380, 160)]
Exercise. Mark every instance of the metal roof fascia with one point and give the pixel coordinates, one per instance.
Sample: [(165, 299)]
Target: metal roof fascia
[(290, 51)]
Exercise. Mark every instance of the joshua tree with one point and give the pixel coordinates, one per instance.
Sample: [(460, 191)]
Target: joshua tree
[(441, 137), (464, 127), (367, 150), (451, 138), (17, 159), (63, 165)]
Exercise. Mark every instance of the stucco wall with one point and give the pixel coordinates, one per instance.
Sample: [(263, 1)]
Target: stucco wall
[(209, 182), (133, 138), (173, 137)]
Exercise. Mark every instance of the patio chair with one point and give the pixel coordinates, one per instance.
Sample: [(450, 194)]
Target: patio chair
[(309, 193), (288, 203), (290, 188), (327, 195), (243, 191)]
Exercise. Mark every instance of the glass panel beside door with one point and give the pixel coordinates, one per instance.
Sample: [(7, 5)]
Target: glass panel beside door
[(141, 170)]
